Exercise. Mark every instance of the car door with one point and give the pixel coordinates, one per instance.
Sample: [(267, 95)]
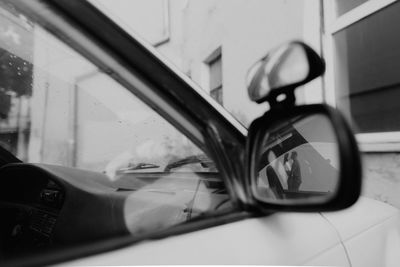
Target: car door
[(233, 236), (370, 232), (277, 239)]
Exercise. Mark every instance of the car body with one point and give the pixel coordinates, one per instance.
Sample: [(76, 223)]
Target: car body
[(107, 220), (346, 238)]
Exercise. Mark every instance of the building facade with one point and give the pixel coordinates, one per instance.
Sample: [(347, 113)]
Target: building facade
[(216, 42)]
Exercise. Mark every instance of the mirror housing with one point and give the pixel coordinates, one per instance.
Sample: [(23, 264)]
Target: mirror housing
[(283, 70), (302, 127)]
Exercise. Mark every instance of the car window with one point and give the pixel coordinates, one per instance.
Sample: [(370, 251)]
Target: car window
[(59, 108)]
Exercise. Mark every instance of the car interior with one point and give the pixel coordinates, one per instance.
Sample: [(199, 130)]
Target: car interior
[(46, 207)]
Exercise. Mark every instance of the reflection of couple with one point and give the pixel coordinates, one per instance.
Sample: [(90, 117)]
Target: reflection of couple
[(292, 168)]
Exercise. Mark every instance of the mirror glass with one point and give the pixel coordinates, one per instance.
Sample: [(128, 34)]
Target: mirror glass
[(298, 161), (282, 67)]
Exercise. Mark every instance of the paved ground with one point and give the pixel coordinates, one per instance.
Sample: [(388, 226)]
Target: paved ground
[(381, 173)]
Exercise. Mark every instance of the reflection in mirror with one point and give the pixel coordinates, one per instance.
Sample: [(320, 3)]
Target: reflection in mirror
[(298, 161)]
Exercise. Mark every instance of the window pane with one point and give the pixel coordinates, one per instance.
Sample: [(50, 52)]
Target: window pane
[(217, 94), (344, 6), (58, 108), (216, 73), (367, 68)]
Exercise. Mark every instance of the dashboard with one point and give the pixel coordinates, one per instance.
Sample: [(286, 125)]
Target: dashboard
[(47, 207), (29, 213)]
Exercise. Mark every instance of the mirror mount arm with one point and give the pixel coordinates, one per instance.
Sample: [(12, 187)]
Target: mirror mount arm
[(288, 98)]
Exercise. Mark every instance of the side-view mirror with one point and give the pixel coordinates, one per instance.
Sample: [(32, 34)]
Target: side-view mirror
[(299, 158), (303, 159), (283, 70)]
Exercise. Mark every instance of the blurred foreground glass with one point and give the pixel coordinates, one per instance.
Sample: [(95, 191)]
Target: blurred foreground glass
[(298, 162)]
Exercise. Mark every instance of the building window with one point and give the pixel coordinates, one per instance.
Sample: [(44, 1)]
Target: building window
[(365, 48), (367, 67), (215, 82), (344, 6)]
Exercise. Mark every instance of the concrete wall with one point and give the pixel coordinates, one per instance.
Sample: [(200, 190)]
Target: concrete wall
[(245, 31), (381, 172), (158, 22)]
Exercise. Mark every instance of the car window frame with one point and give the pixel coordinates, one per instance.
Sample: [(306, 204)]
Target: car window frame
[(208, 126)]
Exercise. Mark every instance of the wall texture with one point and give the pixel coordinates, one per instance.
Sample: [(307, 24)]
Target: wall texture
[(382, 177), (244, 31)]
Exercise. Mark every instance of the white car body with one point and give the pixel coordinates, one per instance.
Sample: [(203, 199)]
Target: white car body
[(367, 234)]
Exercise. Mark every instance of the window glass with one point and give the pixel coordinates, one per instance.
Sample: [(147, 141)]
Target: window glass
[(367, 68), (58, 108), (16, 72), (216, 79), (344, 6), (217, 94)]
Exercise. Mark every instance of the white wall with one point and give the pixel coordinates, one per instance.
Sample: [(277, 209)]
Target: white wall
[(245, 30)]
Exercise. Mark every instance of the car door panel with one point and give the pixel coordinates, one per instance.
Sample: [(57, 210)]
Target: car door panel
[(279, 239), (332, 257), (377, 246), (370, 232)]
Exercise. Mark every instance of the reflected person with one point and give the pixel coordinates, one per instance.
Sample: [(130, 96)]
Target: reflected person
[(286, 164), (294, 179)]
